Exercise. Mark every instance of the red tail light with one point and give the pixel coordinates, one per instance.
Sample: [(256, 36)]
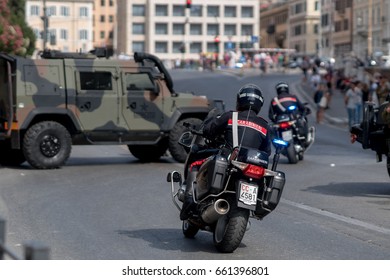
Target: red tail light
[(254, 171), (284, 125)]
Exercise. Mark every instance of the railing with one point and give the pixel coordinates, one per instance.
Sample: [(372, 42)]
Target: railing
[(32, 250)]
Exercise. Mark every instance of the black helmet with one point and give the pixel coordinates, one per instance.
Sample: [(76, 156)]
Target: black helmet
[(249, 97), (281, 87)]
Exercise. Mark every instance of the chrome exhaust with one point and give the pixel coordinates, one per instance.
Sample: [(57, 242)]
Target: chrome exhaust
[(214, 211)]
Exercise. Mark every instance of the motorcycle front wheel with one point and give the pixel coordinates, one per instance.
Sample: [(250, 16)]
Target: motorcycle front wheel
[(291, 153), (230, 229)]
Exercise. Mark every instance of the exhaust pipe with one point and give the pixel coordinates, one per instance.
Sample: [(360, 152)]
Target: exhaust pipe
[(214, 211)]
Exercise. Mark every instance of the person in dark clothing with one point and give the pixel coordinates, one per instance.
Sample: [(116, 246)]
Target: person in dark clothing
[(252, 130), (284, 100)]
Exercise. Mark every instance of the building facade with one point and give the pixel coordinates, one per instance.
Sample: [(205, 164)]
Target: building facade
[(172, 31), (104, 23), (69, 24)]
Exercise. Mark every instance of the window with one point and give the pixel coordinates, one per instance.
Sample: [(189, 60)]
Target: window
[(102, 34), (139, 10), (196, 11), (247, 29), (230, 11), (83, 34), (212, 29), (64, 35), (138, 81), (161, 10), (111, 18), (161, 28), (178, 29), (212, 11), (211, 47), (111, 35), (196, 47), (111, 3), (34, 10), (95, 81), (51, 11), (138, 28), (64, 11), (102, 18), (247, 12), (138, 46), (196, 29), (230, 29), (176, 46), (161, 47), (178, 10), (83, 12), (102, 3)]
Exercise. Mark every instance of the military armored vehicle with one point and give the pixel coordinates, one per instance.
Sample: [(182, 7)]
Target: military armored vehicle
[(64, 99)]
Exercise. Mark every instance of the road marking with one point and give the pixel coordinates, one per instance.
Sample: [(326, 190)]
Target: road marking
[(348, 220)]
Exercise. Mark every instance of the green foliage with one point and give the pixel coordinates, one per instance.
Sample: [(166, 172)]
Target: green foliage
[(15, 35)]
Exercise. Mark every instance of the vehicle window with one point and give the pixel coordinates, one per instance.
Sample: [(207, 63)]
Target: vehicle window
[(139, 81), (95, 81)]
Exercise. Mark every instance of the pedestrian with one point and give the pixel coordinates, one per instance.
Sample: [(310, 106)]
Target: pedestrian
[(383, 89), (321, 100), (351, 99)]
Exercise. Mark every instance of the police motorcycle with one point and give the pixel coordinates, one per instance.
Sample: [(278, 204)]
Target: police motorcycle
[(229, 186), (374, 131), (291, 127)]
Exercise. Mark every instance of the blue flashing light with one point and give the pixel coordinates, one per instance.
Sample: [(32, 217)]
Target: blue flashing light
[(280, 142), (292, 107)]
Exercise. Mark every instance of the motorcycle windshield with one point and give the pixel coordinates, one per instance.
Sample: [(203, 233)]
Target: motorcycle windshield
[(283, 118)]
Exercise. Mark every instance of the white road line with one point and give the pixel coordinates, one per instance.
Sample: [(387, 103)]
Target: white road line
[(337, 217)]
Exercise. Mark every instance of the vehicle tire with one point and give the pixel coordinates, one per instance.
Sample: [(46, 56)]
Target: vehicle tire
[(10, 157), (177, 151), (149, 153), (189, 229), (291, 153), (47, 145), (230, 229)]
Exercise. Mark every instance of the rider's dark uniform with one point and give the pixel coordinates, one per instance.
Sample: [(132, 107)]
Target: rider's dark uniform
[(253, 131)]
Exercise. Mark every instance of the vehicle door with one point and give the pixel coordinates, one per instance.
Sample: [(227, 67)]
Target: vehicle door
[(142, 104), (98, 103)]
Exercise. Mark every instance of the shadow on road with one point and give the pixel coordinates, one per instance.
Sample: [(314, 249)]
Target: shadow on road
[(174, 240), (367, 189)]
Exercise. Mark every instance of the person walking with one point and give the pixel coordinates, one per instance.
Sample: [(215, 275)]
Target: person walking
[(321, 96), (351, 100)]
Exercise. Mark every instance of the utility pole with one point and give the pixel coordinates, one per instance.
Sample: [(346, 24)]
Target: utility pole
[(369, 38), (45, 20)]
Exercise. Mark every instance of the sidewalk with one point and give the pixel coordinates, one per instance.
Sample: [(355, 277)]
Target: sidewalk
[(336, 114)]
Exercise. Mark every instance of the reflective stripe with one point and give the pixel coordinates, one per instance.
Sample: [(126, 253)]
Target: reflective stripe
[(250, 124)]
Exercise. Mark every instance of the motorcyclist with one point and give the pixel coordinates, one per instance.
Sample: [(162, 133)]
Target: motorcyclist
[(253, 131), (280, 104)]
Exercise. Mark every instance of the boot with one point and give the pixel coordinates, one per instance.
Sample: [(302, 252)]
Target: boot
[(188, 199), (186, 208)]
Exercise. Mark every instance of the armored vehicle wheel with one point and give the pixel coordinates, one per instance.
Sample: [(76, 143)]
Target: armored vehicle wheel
[(177, 151), (10, 157), (148, 153), (189, 229), (47, 145)]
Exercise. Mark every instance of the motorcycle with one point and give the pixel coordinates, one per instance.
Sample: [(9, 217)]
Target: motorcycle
[(229, 186), (290, 126)]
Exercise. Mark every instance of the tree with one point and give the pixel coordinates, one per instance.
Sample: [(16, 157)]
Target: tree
[(16, 36)]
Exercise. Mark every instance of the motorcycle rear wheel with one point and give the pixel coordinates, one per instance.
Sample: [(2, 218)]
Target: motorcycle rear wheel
[(189, 229), (230, 229)]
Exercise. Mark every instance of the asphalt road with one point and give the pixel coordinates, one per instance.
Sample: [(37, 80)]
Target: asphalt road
[(105, 204)]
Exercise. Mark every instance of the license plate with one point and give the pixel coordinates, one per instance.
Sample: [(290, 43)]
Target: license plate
[(287, 135), (248, 194)]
